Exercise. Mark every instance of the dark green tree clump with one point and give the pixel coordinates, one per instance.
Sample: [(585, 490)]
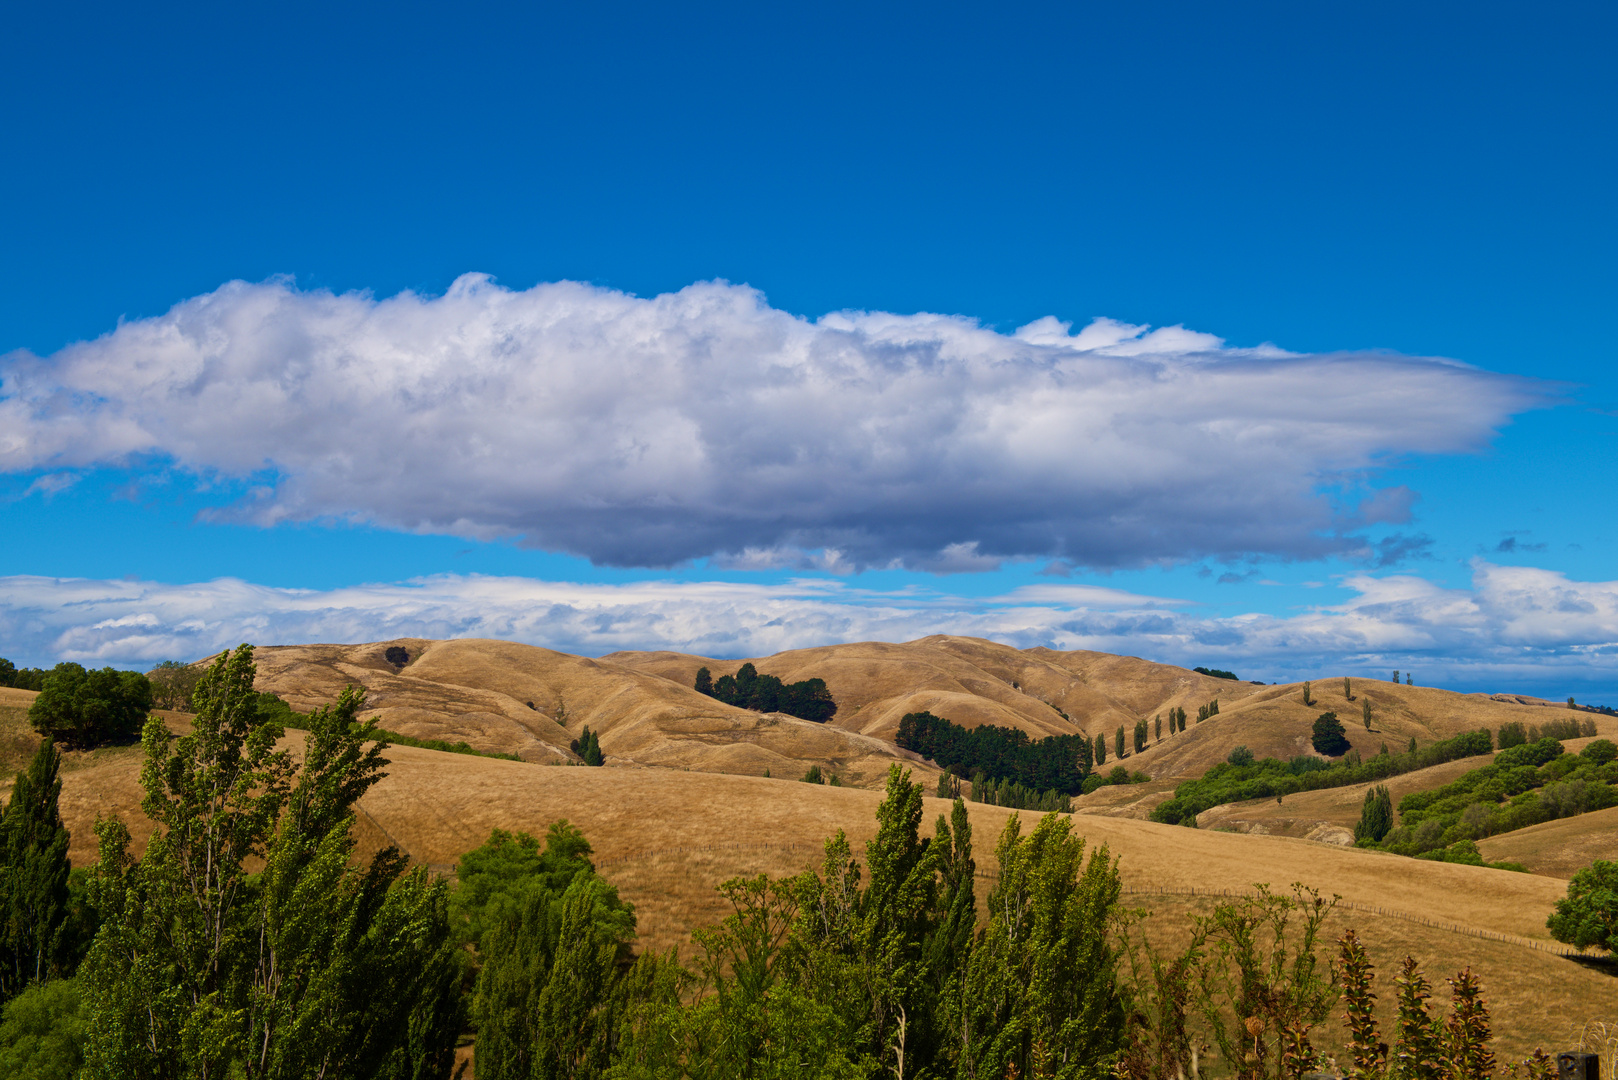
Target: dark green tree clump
[(1588, 916), (1216, 673), (21, 678), (1328, 736), (747, 689), (1012, 794), (588, 747), (87, 708), (1059, 762), (1376, 817)]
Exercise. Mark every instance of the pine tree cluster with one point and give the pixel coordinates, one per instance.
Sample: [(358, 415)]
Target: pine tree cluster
[(747, 689), (1059, 762), (588, 747)]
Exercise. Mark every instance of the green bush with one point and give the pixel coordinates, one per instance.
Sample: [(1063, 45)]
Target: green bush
[(1240, 757), (1588, 915), (1601, 751)]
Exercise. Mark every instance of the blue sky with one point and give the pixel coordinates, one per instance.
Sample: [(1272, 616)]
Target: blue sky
[(1323, 198)]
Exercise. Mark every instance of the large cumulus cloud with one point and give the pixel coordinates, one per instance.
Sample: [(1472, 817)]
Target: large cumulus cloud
[(707, 423), (1514, 628)]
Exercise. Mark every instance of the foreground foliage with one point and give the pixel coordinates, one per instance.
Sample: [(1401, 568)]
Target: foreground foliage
[(309, 967)]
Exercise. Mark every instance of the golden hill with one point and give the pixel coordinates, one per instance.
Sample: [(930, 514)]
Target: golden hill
[(530, 701)]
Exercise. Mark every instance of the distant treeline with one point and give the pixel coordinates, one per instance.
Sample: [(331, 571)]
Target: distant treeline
[(31, 678), (747, 689), (1270, 777), (1055, 763), (1216, 673)]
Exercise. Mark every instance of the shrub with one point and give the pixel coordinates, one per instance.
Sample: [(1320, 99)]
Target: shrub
[(1241, 756), (397, 655), (1588, 915), (1328, 737), (1601, 751), (86, 708)]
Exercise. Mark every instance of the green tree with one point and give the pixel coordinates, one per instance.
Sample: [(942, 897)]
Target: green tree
[(1240, 757), (34, 902), (43, 1032), (1600, 752), (1588, 915), (1101, 750), (1365, 712), (588, 747), (1328, 737), (1376, 816), (1140, 735), (84, 708), (8, 672), (1348, 689), (310, 967), (1040, 993), (1118, 740), (172, 684), (813, 776), (1158, 722), (1307, 700)]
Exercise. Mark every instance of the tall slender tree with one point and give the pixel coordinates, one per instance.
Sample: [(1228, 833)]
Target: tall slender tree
[(33, 876)]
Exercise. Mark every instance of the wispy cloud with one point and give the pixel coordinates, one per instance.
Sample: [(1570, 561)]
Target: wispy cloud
[(707, 423), (1514, 627)]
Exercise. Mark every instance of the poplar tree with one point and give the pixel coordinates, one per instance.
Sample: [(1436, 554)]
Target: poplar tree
[(33, 877), (1118, 740), (1101, 750), (1158, 721), (1041, 990), (311, 966)]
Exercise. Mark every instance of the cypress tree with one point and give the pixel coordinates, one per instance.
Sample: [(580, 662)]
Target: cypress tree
[(1119, 740), (1140, 736), (1101, 750), (33, 890), (1158, 720), (1376, 817), (1365, 711)]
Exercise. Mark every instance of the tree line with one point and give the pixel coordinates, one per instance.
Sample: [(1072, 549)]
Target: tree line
[(1271, 777), (1526, 784), (1055, 763), (807, 699)]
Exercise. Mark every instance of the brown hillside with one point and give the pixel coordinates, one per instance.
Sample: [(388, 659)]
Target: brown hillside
[(643, 707), (509, 698), (1559, 848)]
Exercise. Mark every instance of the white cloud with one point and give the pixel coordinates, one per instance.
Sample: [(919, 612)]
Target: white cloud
[(1514, 628), (704, 422)]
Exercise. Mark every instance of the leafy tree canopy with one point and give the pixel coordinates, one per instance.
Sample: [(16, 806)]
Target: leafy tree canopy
[(1216, 673), (1588, 916), (86, 708)]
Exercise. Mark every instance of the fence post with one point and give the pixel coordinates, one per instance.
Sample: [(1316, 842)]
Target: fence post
[(1576, 1066)]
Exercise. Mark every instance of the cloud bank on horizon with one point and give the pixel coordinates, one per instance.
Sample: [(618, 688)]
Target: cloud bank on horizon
[(1514, 628), (705, 423)]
